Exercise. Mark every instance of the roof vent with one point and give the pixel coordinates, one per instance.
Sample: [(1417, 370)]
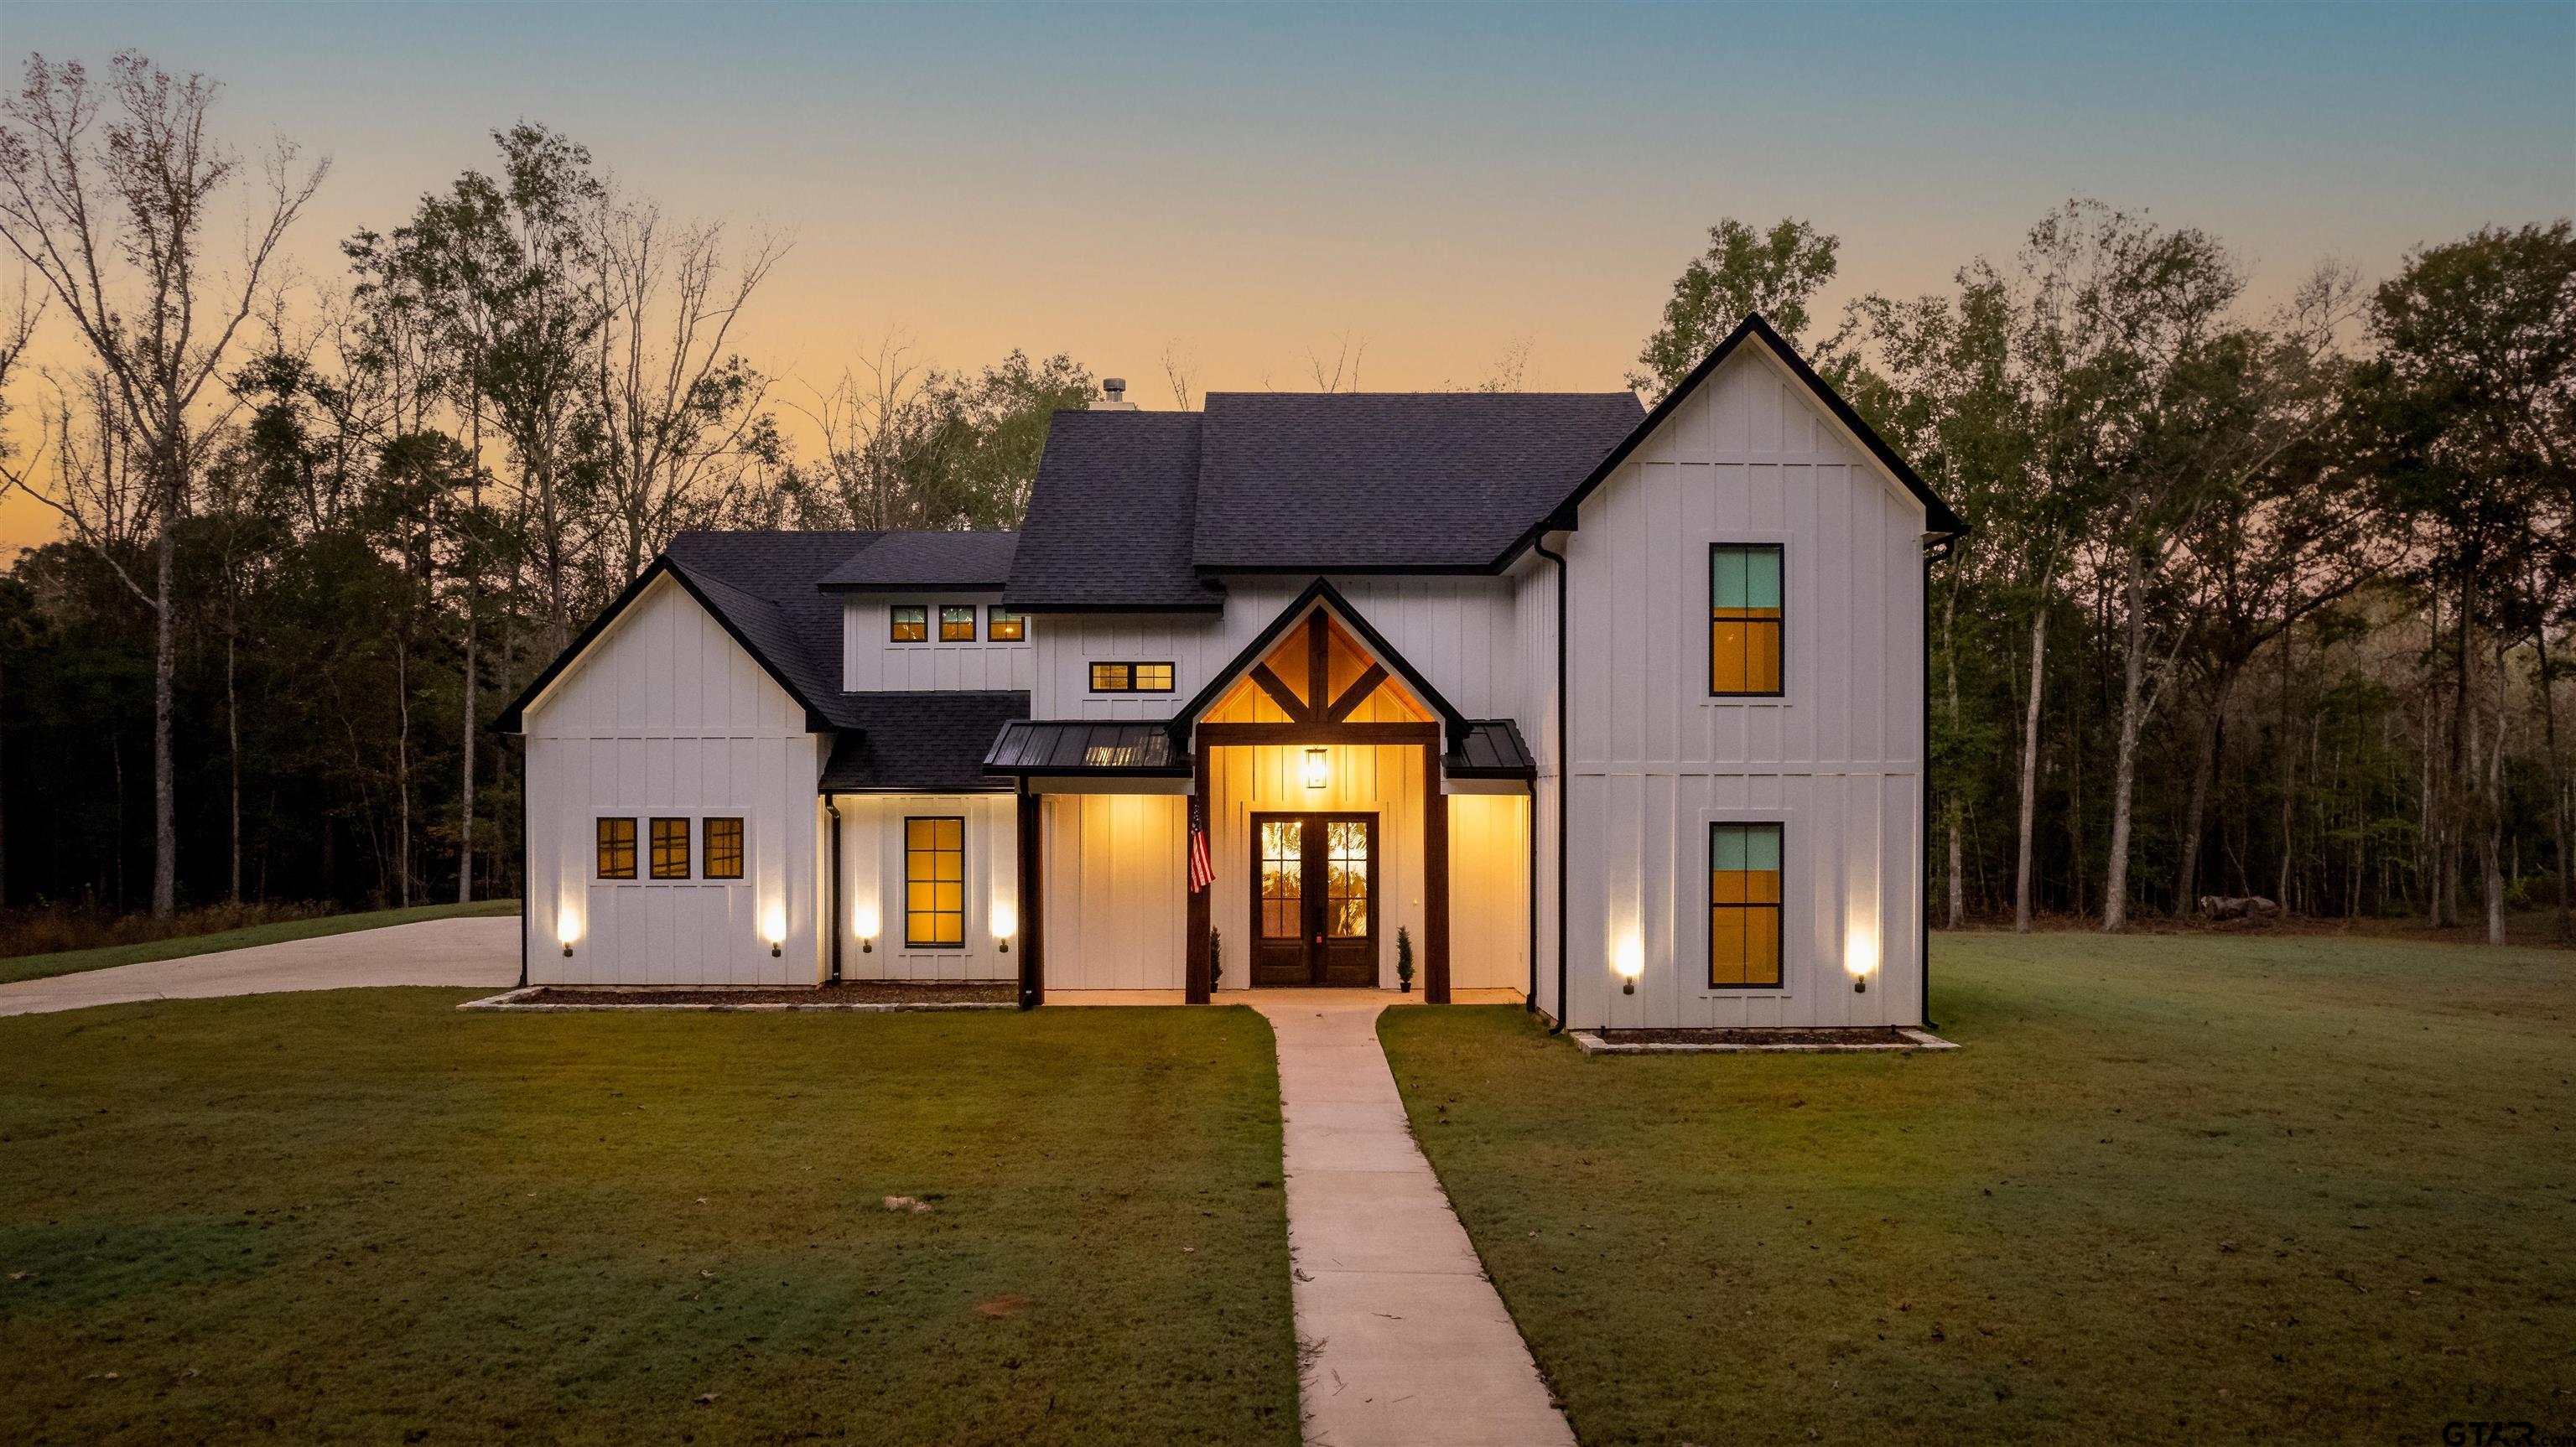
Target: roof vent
[(1113, 396)]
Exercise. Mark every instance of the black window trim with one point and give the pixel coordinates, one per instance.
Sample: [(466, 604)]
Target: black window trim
[(707, 852), (633, 841), (973, 623), (962, 911), (1131, 665), (688, 855), (1708, 657), (894, 620), (1020, 618), (1708, 892)]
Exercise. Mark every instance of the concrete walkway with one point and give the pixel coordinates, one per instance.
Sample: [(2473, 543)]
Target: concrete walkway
[(482, 952), (1406, 1343)]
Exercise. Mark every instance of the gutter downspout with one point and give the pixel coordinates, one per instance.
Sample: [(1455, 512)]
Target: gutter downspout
[(1939, 548), (1564, 796), (526, 872), (834, 922)]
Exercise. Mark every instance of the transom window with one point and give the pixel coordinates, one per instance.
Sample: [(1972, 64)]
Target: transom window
[(670, 848), (934, 883), (617, 849), (724, 849), (911, 622), (1001, 625), (1743, 906), (957, 623), (1131, 678), (1744, 619)]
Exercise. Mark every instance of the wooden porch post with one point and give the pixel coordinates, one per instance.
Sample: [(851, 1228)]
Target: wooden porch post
[(1196, 981), (1032, 903), (1435, 883)]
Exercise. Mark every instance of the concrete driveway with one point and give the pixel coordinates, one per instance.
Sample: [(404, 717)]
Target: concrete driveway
[(479, 952)]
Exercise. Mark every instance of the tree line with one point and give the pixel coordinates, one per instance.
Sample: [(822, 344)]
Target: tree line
[(2256, 601)]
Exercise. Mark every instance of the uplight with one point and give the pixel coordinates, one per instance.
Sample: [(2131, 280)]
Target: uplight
[(1319, 768), (863, 923), (1006, 922), (1630, 962), (773, 927), (567, 929), (1860, 957)]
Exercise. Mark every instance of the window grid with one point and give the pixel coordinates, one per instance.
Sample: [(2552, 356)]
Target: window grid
[(956, 622), (1131, 678), (1001, 625), (1744, 906), (617, 849), (670, 848), (724, 849), (1745, 620), (1346, 853), (934, 883), (1283, 857), (911, 622)]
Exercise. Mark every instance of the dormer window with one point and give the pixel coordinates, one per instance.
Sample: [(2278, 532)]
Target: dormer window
[(911, 623)]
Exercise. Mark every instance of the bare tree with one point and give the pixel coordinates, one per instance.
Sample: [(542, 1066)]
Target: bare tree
[(111, 218), (1181, 370), (1342, 374)]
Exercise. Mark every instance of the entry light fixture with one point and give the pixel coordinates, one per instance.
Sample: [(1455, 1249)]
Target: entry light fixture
[(567, 929), (1005, 924), (1630, 962), (863, 923), (773, 925), (1319, 768)]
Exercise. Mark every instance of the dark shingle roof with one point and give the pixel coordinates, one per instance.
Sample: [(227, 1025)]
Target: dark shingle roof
[(1410, 479), (919, 742), (1082, 746), (763, 587), (910, 561), (1108, 521)]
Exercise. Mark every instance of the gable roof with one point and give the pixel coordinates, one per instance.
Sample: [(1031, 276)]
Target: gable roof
[(920, 561), (1108, 522), (1412, 481), (761, 588), (1455, 725), (919, 742), (1937, 517)]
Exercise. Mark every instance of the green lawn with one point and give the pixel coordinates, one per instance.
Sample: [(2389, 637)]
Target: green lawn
[(363, 1216), (2276, 1190), (72, 962)]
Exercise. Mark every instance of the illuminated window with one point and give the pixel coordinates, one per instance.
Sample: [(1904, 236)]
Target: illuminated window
[(670, 849), (1283, 865), (911, 622), (957, 623), (1001, 625), (1131, 678), (617, 849), (1744, 619), (934, 883), (1743, 906), (724, 849), (1346, 855)]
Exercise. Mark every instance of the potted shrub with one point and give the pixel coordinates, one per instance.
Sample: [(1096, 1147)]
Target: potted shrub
[(1216, 960), (1403, 960)]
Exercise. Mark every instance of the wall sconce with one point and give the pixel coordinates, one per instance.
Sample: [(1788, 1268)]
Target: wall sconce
[(1319, 768), (773, 924), (1630, 962), (1005, 924), (1860, 956), (863, 923), (567, 929)]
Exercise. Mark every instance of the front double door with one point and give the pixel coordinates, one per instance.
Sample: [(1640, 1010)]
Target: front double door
[(1314, 899)]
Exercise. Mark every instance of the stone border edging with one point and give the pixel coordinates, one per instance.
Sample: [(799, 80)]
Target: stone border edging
[(516, 1002), (1593, 1044)]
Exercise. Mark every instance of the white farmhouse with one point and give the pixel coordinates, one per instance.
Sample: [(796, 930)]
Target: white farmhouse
[(1619, 710)]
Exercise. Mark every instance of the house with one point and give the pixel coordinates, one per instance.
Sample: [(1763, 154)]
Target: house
[(1621, 710)]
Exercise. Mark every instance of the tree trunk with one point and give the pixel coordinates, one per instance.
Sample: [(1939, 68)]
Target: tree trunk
[(473, 569), (2289, 771), (402, 776), (165, 672), (2491, 841), (232, 734), (4, 811), (2124, 766), (2030, 764), (2566, 933), (2204, 770), (1951, 809)]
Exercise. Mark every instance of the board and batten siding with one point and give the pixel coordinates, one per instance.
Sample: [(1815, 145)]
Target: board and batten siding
[(1116, 906), (1461, 633), (1749, 458), (666, 715), (872, 662), (872, 887)]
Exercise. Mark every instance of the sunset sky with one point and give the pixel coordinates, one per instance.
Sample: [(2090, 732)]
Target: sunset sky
[(1251, 183)]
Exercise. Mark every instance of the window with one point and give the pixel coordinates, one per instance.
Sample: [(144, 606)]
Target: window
[(1283, 864), (1131, 678), (1743, 906), (1001, 625), (724, 849), (1346, 856), (956, 622), (934, 883), (617, 849), (911, 623), (670, 849), (1744, 619)]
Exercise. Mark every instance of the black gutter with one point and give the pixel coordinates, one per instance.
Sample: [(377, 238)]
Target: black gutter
[(1564, 795), (1923, 811), (834, 924), (526, 871)]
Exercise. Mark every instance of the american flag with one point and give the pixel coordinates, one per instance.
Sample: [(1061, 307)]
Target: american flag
[(1202, 872)]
